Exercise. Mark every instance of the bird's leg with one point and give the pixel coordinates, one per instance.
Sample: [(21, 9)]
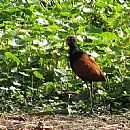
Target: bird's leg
[(91, 96)]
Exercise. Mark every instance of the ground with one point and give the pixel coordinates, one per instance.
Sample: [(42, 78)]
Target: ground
[(60, 122)]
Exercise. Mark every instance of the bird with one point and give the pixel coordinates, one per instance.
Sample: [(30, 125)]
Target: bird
[(83, 66)]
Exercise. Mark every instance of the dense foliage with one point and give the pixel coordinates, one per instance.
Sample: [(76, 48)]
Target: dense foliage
[(34, 69)]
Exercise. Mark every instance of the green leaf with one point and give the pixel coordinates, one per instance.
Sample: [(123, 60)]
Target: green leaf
[(80, 30), (108, 35), (53, 27), (65, 14), (100, 4), (38, 75), (49, 108), (74, 25), (13, 57), (94, 30)]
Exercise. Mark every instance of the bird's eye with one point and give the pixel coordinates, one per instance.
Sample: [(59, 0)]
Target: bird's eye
[(70, 38)]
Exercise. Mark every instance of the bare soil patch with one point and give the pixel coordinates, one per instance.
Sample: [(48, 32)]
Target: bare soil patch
[(59, 122)]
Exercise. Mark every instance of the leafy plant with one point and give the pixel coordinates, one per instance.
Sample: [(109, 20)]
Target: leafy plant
[(35, 73)]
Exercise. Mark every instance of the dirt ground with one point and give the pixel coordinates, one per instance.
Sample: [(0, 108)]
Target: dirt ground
[(60, 122)]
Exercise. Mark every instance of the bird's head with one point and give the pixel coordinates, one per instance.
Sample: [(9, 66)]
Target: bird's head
[(71, 41)]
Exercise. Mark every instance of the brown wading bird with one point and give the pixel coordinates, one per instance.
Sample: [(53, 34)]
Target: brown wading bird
[(83, 66)]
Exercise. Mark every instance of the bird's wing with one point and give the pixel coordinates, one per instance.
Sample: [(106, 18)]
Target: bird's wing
[(88, 69)]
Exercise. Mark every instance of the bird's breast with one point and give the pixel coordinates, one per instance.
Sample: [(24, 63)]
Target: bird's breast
[(86, 68)]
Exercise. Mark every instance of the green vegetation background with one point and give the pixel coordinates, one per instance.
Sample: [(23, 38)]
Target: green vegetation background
[(34, 70)]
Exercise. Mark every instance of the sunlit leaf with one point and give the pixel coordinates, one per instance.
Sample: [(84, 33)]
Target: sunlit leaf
[(24, 74), (13, 57), (108, 35), (65, 14), (38, 75), (17, 83)]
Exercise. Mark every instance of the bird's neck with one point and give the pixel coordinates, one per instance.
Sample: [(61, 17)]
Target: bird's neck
[(73, 49)]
